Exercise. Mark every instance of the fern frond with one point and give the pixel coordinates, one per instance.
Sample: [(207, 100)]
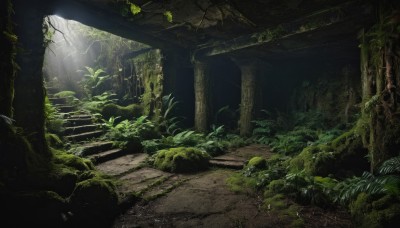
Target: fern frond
[(390, 166)]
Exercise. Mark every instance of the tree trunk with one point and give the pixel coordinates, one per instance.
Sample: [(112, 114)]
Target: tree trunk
[(7, 60), (202, 96), (29, 88), (379, 89)]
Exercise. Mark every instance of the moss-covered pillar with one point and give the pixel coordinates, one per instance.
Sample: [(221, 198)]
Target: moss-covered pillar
[(7, 59), (29, 88), (248, 96), (202, 95)]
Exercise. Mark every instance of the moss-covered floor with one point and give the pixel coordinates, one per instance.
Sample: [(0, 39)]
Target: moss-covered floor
[(208, 198)]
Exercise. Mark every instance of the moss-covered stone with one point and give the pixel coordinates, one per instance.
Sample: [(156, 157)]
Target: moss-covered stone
[(350, 154), (344, 156), (368, 211), (53, 140), (71, 160), (61, 174), (276, 186), (128, 112), (61, 179), (181, 159), (314, 160), (94, 199), (258, 162)]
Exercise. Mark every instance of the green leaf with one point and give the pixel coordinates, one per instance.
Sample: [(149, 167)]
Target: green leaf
[(168, 15), (135, 9)]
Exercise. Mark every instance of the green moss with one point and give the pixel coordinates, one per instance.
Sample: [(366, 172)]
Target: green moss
[(325, 182), (53, 140), (65, 94), (71, 160), (276, 185), (276, 202), (370, 212), (314, 160), (350, 154), (129, 112), (344, 156), (150, 68), (241, 184), (279, 204), (181, 159), (343, 139), (94, 198), (258, 162)]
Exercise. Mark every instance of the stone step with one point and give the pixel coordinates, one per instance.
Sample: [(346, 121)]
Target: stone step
[(80, 129), (80, 116), (52, 90), (78, 122), (64, 115), (166, 185), (84, 136), (124, 164), (58, 100), (230, 164), (136, 183), (95, 147), (106, 155), (65, 108), (140, 181)]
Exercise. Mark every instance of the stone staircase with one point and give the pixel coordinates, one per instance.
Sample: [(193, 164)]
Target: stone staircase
[(82, 131)]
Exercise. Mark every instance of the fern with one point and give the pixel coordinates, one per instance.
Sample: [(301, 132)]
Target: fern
[(93, 79), (216, 133), (390, 166), (168, 124), (386, 183), (7, 120)]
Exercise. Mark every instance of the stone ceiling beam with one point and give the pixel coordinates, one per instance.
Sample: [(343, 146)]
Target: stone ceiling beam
[(107, 20), (320, 20)]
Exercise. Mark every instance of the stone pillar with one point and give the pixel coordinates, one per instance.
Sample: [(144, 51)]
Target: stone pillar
[(29, 88), (248, 97), (202, 96)]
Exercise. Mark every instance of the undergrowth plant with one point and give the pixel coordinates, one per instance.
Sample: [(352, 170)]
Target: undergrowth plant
[(130, 131), (53, 123), (167, 123), (93, 80), (94, 104), (386, 181), (69, 97)]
